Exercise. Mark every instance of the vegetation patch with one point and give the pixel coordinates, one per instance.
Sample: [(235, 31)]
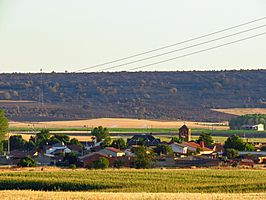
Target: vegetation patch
[(145, 180)]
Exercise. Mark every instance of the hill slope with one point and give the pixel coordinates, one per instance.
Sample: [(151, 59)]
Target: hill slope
[(154, 95)]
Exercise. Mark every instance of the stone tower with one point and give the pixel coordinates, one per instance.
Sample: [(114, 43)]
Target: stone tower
[(185, 133)]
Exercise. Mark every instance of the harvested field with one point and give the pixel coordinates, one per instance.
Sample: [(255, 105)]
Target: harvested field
[(40, 195), (118, 123), (242, 111), (80, 138)]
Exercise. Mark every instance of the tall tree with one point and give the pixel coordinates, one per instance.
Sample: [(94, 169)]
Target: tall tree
[(42, 138), (100, 133), (206, 138), (143, 158), (119, 143), (235, 142), (17, 142), (3, 125)]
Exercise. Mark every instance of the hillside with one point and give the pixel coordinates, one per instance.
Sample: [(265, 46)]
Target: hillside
[(151, 95)]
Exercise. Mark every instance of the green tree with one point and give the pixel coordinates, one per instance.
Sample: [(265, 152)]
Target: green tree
[(30, 145), (1, 147), (176, 139), (53, 140), (206, 138), (263, 148), (143, 158), (100, 133), (75, 141), (250, 119), (163, 149), (231, 153), (59, 138), (3, 125), (101, 163), (71, 158), (118, 163), (106, 142), (234, 142), (42, 138), (17, 142), (62, 138), (249, 147), (119, 144), (27, 162)]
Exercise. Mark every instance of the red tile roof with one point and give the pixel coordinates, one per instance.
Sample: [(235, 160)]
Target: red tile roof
[(196, 145), (113, 149)]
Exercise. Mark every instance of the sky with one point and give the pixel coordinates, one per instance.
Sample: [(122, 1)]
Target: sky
[(60, 35)]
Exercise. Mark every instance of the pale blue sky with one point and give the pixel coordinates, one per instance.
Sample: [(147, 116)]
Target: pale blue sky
[(64, 35)]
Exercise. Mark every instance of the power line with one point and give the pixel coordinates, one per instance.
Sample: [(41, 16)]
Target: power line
[(188, 47), (168, 46), (200, 51)]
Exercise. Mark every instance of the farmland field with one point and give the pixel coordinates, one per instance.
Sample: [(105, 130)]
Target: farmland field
[(242, 111), (131, 180), (118, 123), (40, 195)]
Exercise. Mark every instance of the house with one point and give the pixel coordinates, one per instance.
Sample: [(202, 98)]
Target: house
[(88, 159), (218, 148), (75, 148), (4, 160), (178, 148), (256, 156), (143, 139), (185, 133), (258, 127), (198, 148), (198, 161), (44, 159), (112, 152), (91, 144), (16, 155), (58, 148)]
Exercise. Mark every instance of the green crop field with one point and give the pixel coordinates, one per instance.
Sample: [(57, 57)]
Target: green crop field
[(131, 180)]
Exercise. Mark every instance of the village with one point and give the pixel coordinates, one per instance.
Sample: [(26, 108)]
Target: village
[(139, 151)]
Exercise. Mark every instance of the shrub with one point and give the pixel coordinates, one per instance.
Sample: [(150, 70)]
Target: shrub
[(101, 163), (27, 162), (72, 166), (118, 163)]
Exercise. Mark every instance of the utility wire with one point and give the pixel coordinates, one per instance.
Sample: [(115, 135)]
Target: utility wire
[(200, 51), (168, 46), (188, 47)]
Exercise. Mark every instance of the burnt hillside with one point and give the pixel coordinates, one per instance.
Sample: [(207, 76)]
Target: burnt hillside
[(154, 95)]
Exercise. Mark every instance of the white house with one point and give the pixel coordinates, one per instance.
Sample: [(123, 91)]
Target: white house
[(259, 127), (59, 147), (179, 148)]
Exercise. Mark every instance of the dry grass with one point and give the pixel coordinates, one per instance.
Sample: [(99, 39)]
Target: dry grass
[(116, 123), (78, 137), (40, 195), (242, 111)]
